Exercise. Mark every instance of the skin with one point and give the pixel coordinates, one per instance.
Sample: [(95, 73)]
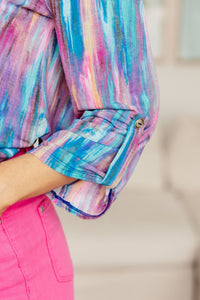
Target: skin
[(27, 176)]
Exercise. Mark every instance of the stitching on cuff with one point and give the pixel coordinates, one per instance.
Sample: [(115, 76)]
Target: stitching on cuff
[(90, 173)]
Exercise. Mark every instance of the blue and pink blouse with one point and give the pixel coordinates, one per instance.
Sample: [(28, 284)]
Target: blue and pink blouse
[(79, 76)]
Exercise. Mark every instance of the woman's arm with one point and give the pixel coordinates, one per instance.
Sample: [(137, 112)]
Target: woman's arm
[(109, 71), (27, 176)]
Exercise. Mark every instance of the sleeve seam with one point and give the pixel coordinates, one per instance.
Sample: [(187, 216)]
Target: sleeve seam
[(47, 5)]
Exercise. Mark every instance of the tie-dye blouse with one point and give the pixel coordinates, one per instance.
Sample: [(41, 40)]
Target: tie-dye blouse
[(78, 76)]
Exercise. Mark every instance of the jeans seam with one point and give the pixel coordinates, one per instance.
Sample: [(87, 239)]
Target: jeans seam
[(18, 260), (59, 278)]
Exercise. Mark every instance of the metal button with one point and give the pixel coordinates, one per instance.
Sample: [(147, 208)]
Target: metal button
[(42, 208), (139, 123)]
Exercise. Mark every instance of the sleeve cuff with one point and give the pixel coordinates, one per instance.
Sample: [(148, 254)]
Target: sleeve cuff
[(96, 150)]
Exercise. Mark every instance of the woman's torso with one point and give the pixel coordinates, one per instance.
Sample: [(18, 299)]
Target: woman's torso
[(34, 97)]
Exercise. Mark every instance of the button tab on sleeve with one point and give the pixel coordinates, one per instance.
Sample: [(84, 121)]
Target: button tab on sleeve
[(139, 123)]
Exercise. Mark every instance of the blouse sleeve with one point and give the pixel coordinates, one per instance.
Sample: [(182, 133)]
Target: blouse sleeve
[(109, 70)]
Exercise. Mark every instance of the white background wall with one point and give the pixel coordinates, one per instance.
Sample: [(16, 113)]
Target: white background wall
[(179, 80), (179, 90)]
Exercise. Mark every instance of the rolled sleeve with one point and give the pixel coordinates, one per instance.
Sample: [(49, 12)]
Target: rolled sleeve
[(108, 66), (96, 147)]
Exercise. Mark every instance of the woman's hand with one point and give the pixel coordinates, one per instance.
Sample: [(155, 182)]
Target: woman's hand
[(26, 176)]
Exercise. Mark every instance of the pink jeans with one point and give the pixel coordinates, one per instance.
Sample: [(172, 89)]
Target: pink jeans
[(35, 261)]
